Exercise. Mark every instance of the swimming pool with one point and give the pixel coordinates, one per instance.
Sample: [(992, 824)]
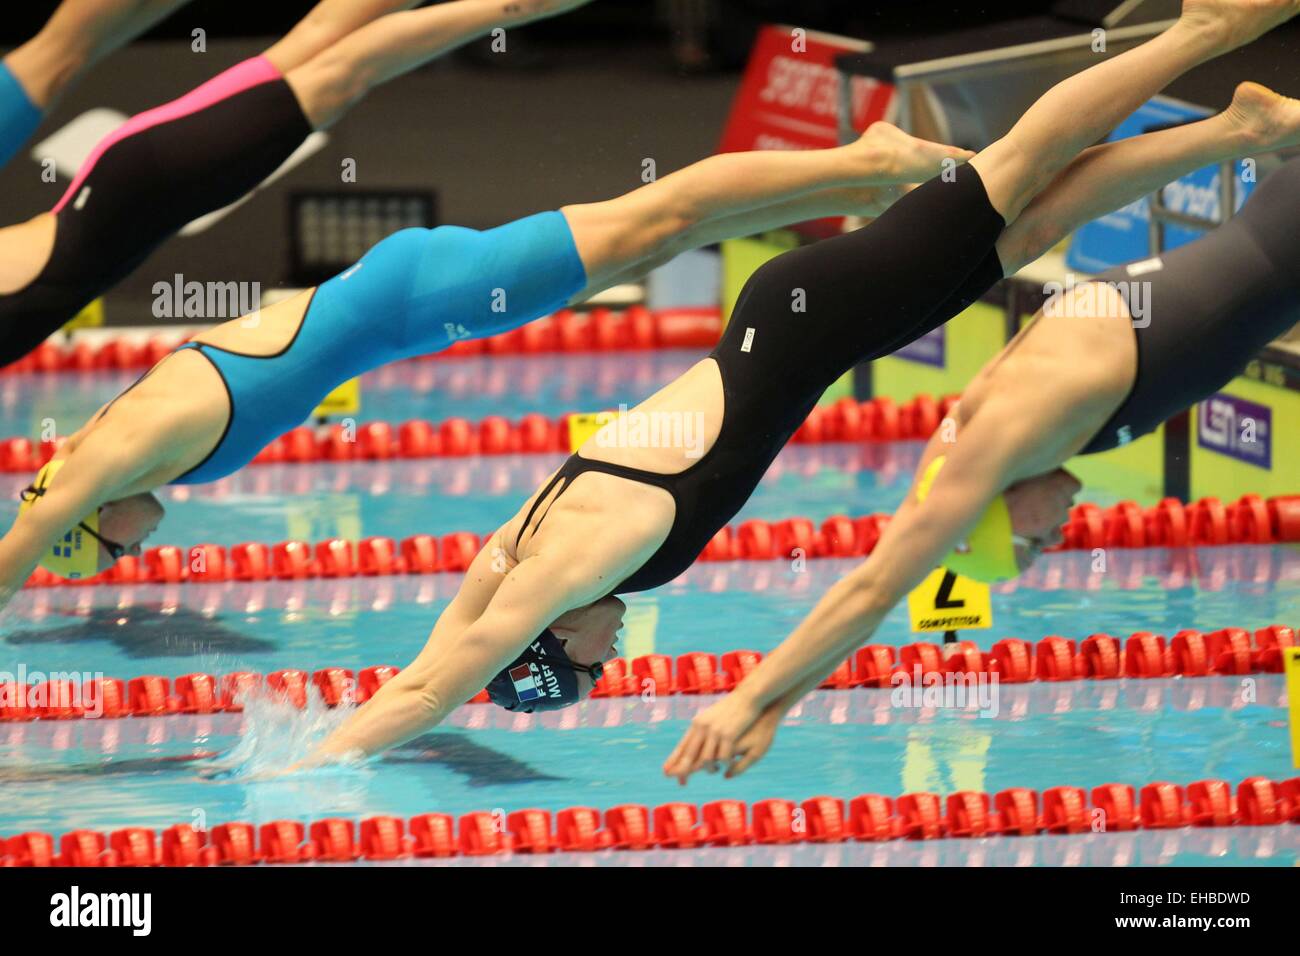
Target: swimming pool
[(146, 771)]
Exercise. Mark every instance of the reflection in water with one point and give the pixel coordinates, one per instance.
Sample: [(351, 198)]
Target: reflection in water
[(147, 630)]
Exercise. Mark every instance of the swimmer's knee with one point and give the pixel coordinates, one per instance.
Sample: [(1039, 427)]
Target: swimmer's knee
[(327, 87), (1025, 240)]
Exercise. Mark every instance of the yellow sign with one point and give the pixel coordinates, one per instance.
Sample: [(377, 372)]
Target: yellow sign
[(1292, 667), (582, 425), (344, 400), (336, 516), (640, 624), (91, 317), (945, 762), (949, 602)]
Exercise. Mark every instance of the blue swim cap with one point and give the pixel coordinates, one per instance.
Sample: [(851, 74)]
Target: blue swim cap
[(541, 678)]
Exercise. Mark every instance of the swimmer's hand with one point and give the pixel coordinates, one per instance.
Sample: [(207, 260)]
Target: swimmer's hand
[(313, 761), (733, 734), (1039, 508), (231, 770)]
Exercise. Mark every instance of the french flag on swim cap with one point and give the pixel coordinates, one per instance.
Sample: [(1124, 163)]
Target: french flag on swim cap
[(525, 678)]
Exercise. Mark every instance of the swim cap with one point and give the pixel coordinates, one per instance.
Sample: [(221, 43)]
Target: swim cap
[(989, 553), (541, 678), (76, 554)]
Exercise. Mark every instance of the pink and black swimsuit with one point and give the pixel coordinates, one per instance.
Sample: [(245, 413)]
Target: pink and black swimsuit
[(145, 182)]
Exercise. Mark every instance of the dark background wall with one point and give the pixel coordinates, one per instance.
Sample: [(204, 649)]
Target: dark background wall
[(728, 17), (567, 116)]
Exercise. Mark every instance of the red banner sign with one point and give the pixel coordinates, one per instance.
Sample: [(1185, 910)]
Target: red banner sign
[(790, 95), (790, 98)]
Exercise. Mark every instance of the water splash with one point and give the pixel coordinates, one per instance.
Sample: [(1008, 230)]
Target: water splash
[(277, 735)]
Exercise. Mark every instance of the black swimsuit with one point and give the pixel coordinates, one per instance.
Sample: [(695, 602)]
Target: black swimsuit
[(802, 321), (1204, 310)]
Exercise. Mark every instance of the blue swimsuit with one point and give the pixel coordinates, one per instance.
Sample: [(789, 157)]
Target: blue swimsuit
[(416, 292), (19, 116)]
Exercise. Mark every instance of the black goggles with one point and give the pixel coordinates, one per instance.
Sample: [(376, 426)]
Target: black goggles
[(595, 671)]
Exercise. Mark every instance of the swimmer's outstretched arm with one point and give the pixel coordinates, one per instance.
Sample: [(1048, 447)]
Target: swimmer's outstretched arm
[(103, 468), (78, 35), (471, 643), (986, 459), (493, 618)]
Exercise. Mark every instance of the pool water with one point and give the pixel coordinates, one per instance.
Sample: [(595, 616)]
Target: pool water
[(159, 771)]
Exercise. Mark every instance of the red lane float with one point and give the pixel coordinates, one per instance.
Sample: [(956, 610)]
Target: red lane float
[(839, 536), (866, 818), (567, 331), (876, 420), (1229, 651)]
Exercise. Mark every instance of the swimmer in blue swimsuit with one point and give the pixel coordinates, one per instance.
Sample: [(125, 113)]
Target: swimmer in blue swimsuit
[(209, 408)]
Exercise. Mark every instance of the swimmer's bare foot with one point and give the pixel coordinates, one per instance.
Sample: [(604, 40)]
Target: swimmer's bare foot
[(1268, 120), (1229, 24), (892, 156)]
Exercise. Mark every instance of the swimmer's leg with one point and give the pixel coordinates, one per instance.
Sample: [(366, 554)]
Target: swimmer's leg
[(1108, 177), (1081, 110), (330, 83), (866, 202), (77, 36), (167, 166), (739, 194), (326, 24)]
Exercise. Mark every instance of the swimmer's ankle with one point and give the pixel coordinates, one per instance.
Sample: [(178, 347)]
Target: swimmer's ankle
[(1220, 26)]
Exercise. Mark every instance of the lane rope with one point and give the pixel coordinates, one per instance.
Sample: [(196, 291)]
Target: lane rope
[(1143, 655), (636, 329), (878, 420), (1017, 811), (1169, 524)]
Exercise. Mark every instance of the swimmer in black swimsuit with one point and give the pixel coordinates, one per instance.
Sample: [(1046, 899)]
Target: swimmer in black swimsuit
[(621, 516), (1103, 363), (1090, 373), (171, 165)]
